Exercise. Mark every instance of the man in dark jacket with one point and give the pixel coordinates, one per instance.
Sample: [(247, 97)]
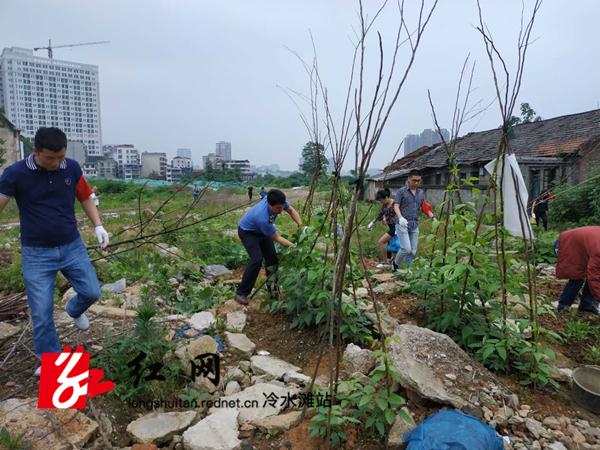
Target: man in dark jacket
[(579, 261)]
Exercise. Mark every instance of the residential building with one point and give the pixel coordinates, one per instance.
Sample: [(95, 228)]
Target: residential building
[(106, 168), (10, 142), (549, 152), (243, 165), (427, 137), (183, 163), (128, 161), (90, 170), (154, 164), (173, 174), (214, 160), (41, 92), (223, 150), (77, 150), (184, 153)]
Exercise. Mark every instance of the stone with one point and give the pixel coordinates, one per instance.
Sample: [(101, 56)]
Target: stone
[(556, 446), (267, 398), (233, 387), (396, 434), (383, 277), (296, 378), (240, 344), (187, 353), (362, 292), (244, 365), (234, 374), (561, 374), (236, 321), (168, 251), (144, 447), (416, 352), (357, 359), (218, 431), (7, 330), (282, 422), (115, 288), (112, 311), (534, 427), (202, 321), (386, 288), (39, 426), (159, 428), (502, 415), (271, 366), (551, 422), (230, 306), (216, 271)]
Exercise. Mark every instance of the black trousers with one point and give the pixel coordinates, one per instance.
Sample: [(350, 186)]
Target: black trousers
[(259, 247), (541, 216)]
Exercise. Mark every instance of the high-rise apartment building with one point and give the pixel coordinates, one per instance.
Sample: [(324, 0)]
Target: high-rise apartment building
[(223, 150), (154, 164), (427, 137), (41, 92), (184, 153)]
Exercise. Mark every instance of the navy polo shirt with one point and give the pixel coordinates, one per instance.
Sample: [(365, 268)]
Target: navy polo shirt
[(260, 218), (46, 200)]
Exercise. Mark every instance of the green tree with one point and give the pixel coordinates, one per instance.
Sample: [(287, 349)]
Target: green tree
[(313, 159), (528, 115)]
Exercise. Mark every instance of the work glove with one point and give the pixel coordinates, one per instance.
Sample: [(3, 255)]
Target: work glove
[(370, 226), (102, 236), (403, 222)]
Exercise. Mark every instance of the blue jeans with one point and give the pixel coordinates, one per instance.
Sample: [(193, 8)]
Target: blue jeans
[(409, 239), (40, 266), (570, 291)]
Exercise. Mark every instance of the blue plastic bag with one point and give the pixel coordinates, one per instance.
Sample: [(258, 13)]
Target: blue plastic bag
[(394, 245), (453, 430)]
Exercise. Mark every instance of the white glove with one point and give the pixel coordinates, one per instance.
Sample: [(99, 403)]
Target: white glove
[(102, 236), (370, 226), (403, 222)]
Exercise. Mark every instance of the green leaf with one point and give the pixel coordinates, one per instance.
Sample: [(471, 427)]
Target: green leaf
[(364, 401), (380, 428), (382, 403), (389, 416)]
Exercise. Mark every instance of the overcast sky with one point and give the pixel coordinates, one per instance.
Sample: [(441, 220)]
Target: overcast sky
[(189, 73)]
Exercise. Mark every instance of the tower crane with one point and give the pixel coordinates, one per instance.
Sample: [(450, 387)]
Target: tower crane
[(50, 47)]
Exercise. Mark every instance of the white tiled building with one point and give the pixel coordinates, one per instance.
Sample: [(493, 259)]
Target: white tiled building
[(154, 164), (128, 161), (182, 163), (40, 92)]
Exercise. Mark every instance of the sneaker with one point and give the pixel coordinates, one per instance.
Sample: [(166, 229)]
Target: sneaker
[(82, 322), (382, 265), (394, 266), (241, 299), (590, 310), (37, 371)]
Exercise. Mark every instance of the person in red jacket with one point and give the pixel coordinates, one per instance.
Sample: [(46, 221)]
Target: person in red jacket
[(578, 260)]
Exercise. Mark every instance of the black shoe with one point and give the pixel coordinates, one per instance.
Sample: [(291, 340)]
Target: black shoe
[(241, 299), (394, 266)]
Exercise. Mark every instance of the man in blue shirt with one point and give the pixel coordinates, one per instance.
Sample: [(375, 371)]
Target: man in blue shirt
[(257, 232), (409, 201), (45, 186)]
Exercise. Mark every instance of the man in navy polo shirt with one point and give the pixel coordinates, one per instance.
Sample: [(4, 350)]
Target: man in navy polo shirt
[(257, 232), (45, 186)]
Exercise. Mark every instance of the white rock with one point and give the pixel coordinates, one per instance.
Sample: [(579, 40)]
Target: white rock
[(7, 330), (202, 321), (257, 395), (218, 431), (159, 428), (357, 359), (46, 429), (239, 343), (233, 387), (269, 365), (296, 378), (117, 287), (236, 321)]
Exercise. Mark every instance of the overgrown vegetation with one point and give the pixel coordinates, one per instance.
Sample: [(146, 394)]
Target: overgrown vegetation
[(462, 300), (577, 205)]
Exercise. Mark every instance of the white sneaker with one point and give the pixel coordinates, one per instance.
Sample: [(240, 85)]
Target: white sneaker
[(382, 265), (82, 322), (37, 371)]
